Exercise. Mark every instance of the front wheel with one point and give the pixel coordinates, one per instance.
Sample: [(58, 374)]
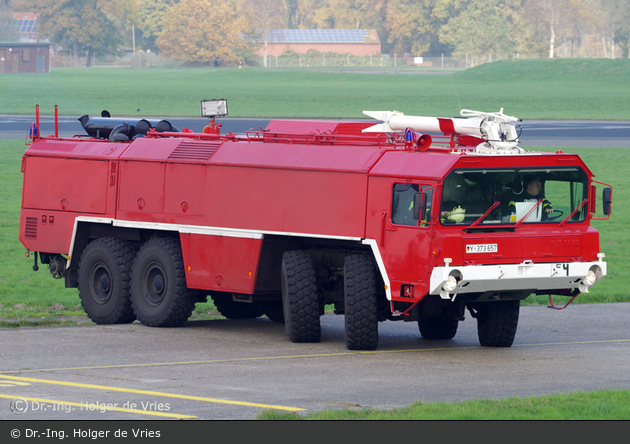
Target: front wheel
[(159, 295), (497, 322)]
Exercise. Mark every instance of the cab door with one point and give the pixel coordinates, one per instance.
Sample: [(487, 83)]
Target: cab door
[(404, 240)]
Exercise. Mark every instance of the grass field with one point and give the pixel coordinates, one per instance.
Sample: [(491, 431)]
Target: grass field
[(529, 89), (597, 405)]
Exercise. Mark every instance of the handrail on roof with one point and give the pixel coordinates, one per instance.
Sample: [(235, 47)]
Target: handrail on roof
[(381, 140)]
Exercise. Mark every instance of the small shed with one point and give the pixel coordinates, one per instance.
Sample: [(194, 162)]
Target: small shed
[(358, 42), (16, 57)]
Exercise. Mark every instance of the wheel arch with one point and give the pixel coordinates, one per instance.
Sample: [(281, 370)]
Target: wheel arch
[(274, 246), (89, 229)]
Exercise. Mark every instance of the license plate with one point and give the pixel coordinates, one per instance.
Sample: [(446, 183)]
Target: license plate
[(482, 248)]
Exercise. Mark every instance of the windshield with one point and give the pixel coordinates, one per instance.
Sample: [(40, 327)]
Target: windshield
[(532, 195)]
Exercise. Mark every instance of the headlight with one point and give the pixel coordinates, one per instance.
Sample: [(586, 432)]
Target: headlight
[(590, 278), (451, 284)]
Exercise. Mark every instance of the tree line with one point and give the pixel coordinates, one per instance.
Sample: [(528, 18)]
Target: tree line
[(228, 32)]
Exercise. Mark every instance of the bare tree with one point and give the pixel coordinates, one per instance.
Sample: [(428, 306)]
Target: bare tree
[(265, 15), (546, 13), (618, 21), (564, 20)]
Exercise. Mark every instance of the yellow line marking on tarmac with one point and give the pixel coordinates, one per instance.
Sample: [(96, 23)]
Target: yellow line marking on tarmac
[(152, 393), (607, 341), (318, 355), (12, 383), (59, 405)]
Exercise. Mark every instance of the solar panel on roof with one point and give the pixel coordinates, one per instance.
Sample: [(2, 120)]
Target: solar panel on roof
[(26, 25), (317, 35)]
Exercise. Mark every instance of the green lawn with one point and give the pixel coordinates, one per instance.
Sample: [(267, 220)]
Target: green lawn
[(529, 89), (597, 405)]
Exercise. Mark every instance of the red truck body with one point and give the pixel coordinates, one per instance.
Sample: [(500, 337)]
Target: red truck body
[(286, 220)]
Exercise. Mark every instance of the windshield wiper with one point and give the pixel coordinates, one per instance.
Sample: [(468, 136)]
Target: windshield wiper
[(573, 213), (478, 221)]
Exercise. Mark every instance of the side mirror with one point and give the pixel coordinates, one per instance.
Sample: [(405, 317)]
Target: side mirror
[(606, 201), (607, 194)]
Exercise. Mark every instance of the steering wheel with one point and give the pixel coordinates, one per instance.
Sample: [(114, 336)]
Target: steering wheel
[(555, 217)]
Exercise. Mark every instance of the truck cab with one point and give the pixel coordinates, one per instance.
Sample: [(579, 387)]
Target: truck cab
[(456, 236)]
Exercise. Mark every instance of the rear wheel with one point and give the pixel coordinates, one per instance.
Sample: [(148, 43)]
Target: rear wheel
[(159, 295), (497, 322), (360, 303), (104, 273), (438, 327), (300, 300)]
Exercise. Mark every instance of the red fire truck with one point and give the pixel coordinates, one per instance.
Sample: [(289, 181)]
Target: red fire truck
[(383, 222)]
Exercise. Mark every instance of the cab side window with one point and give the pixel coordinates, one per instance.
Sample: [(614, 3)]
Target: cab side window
[(403, 203)]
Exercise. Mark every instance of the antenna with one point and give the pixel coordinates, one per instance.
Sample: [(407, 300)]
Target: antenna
[(455, 89)]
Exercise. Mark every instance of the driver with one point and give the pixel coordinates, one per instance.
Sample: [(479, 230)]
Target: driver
[(533, 193)]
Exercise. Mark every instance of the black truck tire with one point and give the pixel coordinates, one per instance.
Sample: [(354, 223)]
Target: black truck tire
[(360, 303), (300, 300), (438, 327), (236, 310), (497, 322), (159, 295), (274, 311), (104, 274)]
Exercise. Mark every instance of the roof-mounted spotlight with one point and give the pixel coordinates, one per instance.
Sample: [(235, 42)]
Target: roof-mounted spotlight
[(214, 108)]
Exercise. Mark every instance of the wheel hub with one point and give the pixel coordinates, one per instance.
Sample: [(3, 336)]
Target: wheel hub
[(155, 284), (158, 284), (101, 284), (105, 283)]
